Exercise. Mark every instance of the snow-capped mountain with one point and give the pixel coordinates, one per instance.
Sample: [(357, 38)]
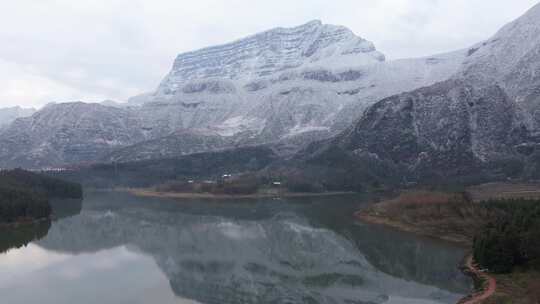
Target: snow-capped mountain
[(271, 53), (8, 115), (287, 85), (483, 122), (284, 82), (465, 113)]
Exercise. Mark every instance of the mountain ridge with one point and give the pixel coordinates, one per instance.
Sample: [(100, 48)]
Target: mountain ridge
[(8, 115), (480, 124), (271, 51)]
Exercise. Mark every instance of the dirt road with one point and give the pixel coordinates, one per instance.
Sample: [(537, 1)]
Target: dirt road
[(490, 284)]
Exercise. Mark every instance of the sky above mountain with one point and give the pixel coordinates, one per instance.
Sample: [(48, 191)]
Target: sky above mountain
[(63, 50)]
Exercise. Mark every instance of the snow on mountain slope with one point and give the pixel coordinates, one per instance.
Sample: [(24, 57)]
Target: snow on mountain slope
[(284, 81), (271, 52), (67, 133), (316, 101), (511, 58), (498, 56), (176, 144)]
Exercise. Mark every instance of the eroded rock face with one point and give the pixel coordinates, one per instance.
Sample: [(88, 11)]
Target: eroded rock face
[(447, 126), (269, 53), (443, 133), (259, 83)]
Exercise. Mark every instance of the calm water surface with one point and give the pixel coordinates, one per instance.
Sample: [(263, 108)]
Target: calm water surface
[(116, 248)]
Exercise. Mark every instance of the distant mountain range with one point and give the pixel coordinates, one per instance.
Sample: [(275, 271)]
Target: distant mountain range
[(286, 85), (8, 115), (324, 98)]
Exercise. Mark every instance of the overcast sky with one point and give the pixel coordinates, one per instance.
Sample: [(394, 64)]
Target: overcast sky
[(91, 50)]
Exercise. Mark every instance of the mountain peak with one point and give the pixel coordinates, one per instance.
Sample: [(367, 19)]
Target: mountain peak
[(271, 52), (315, 22), (309, 24)]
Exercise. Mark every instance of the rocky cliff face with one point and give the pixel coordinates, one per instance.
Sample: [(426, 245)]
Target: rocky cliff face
[(443, 131), (307, 82), (270, 53), (286, 81)]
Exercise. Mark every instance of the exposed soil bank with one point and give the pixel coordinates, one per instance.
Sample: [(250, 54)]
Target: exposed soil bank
[(486, 285)]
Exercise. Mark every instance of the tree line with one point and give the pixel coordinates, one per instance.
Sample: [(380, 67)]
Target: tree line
[(511, 238), (25, 195)]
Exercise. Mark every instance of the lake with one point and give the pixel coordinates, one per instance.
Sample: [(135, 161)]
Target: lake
[(117, 248)]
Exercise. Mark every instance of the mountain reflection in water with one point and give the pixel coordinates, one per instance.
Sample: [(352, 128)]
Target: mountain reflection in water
[(252, 251)]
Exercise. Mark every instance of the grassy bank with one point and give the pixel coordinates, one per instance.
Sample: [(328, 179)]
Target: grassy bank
[(447, 216), (236, 186)]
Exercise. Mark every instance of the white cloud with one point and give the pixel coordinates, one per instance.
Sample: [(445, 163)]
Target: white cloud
[(22, 85), (26, 260), (59, 50)]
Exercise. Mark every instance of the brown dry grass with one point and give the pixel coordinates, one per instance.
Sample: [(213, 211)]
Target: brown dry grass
[(190, 195), (446, 215), (487, 191), (519, 287)]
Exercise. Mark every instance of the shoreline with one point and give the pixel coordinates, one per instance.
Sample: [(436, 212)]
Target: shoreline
[(484, 284), (384, 221), (188, 195), (25, 222)]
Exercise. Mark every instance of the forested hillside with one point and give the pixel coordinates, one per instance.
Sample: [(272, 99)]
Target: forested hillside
[(511, 238), (24, 196)]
